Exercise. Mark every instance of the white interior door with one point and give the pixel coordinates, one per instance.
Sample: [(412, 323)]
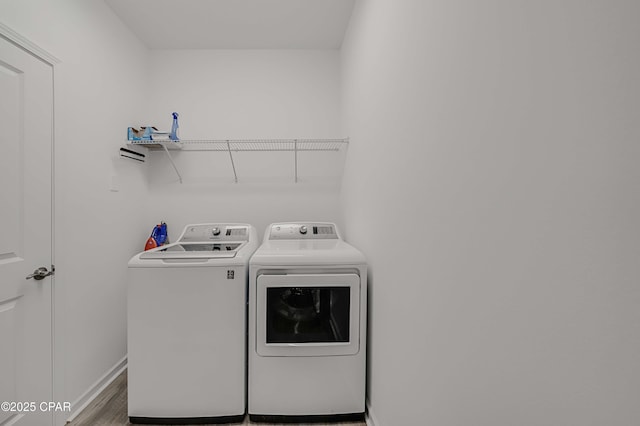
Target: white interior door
[(26, 136)]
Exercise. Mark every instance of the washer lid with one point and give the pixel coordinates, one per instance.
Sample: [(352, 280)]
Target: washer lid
[(200, 250)]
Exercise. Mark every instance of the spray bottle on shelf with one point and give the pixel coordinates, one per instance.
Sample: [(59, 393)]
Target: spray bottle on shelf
[(174, 128)]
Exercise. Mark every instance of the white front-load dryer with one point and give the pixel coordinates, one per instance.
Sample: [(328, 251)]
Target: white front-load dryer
[(307, 326), (187, 327)]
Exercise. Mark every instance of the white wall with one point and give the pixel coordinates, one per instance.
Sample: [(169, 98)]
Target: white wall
[(108, 81), (245, 94), (503, 137), (98, 86)]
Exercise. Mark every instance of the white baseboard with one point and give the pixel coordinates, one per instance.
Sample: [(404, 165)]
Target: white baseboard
[(370, 418), (94, 390)]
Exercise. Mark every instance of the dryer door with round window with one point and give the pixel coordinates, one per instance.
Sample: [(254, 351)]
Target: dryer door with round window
[(308, 314)]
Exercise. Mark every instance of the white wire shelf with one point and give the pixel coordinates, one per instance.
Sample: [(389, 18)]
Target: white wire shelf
[(244, 145), (159, 145), (239, 145)]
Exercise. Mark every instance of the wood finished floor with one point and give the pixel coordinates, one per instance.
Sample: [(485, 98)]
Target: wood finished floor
[(110, 409)]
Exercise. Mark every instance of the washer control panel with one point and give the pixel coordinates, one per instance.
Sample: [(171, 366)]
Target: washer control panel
[(217, 232), (303, 231)]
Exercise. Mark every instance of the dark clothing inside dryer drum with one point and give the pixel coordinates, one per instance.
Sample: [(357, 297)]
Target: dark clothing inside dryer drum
[(308, 314)]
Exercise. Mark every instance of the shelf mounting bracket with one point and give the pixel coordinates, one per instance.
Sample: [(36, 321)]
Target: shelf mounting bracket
[(295, 156), (171, 160), (233, 164)]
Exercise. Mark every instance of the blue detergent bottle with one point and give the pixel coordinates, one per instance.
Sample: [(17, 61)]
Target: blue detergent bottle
[(174, 128), (160, 233), (159, 237)]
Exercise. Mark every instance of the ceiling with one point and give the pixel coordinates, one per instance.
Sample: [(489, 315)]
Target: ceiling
[(236, 24)]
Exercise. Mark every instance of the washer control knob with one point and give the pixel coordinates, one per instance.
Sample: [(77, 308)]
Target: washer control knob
[(215, 231), (303, 229)]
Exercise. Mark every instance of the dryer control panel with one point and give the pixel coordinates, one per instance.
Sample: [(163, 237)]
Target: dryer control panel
[(214, 232), (303, 231)]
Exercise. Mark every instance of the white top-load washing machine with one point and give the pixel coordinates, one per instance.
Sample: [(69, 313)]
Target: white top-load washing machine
[(307, 326), (187, 327)]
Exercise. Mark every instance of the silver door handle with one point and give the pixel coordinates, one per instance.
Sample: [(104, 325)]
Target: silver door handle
[(41, 273)]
